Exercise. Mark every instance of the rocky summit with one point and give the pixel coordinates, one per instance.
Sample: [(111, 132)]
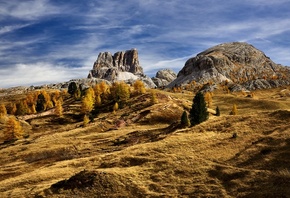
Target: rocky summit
[(238, 64), (108, 66), (122, 66)]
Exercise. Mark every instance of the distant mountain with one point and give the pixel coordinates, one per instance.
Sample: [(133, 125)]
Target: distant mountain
[(238, 64)]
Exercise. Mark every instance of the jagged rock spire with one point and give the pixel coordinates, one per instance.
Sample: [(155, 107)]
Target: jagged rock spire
[(109, 66)]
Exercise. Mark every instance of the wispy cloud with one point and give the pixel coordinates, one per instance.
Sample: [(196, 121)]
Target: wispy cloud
[(11, 28), (28, 9), (65, 35)]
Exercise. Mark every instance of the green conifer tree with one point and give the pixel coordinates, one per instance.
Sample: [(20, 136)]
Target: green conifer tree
[(198, 112), (40, 103), (72, 88), (217, 110)]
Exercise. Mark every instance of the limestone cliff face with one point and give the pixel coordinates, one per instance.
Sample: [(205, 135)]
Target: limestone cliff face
[(109, 66), (122, 66), (237, 63)]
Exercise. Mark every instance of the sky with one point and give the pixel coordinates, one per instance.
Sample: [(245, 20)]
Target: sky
[(50, 41)]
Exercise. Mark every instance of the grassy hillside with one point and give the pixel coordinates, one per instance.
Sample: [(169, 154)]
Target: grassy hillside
[(140, 151)]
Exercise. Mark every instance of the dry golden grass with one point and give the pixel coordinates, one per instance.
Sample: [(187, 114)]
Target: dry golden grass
[(149, 158)]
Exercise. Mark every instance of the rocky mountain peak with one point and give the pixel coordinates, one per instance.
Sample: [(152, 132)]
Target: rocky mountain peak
[(108, 66), (237, 63), (122, 66)]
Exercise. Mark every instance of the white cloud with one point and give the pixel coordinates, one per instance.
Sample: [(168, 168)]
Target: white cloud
[(28, 9), (11, 28), (39, 73)]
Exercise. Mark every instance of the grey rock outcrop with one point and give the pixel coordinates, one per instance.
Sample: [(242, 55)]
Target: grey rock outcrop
[(164, 77), (109, 66), (235, 63), (122, 66)]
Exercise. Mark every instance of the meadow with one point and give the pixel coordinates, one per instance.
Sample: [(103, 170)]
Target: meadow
[(140, 150)]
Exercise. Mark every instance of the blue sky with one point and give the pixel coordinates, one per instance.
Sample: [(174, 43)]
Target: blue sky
[(47, 41)]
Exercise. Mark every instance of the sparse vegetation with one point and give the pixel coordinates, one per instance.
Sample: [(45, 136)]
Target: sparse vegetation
[(143, 147)]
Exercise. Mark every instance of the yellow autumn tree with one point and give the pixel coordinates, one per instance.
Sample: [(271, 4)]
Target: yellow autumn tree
[(31, 101), (88, 101), (55, 97), (98, 100), (43, 101), (11, 108), (32, 109), (208, 98), (3, 111), (104, 88), (30, 98), (120, 92), (13, 129), (154, 99), (115, 107), (58, 108), (86, 120), (48, 101), (139, 87), (97, 89), (22, 108), (234, 110)]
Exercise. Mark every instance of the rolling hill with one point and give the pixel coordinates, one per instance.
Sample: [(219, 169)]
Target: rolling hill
[(140, 151)]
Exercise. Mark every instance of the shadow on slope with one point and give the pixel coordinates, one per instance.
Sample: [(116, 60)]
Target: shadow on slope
[(261, 169)]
